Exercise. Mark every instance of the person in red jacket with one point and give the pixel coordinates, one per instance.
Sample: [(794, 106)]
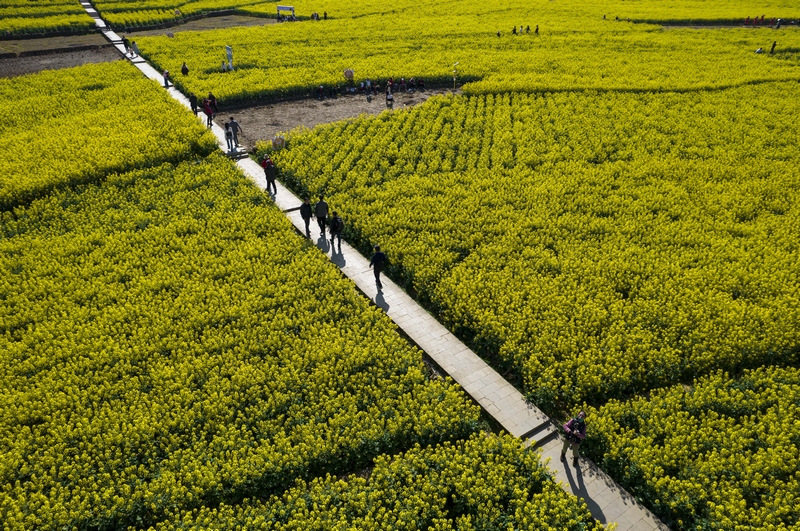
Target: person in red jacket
[(575, 430)]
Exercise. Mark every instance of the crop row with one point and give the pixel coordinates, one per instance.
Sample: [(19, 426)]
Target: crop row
[(485, 482), (293, 59), (167, 342), (719, 454), (602, 244), (76, 125), (18, 17)]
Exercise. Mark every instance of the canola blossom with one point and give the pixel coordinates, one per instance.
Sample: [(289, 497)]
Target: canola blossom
[(79, 124), (167, 341), (486, 482), (601, 244), (22, 17), (719, 454), (573, 51)]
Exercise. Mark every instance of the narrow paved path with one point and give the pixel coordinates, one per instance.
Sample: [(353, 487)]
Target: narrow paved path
[(607, 501)]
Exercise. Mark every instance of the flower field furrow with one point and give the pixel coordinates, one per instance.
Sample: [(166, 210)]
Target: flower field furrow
[(601, 243), (167, 342), (20, 17), (76, 125), (486, 482), (720, 454)]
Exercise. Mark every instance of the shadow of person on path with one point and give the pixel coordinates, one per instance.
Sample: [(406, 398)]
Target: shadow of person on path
[(381, 303), (322, 243), (337, 257), (579, 489)]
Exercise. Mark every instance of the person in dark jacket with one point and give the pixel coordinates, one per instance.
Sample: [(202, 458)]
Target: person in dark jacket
[(305, 213), (575, 430), (193, 102), (377, 263), (337, 226), (321, 212)]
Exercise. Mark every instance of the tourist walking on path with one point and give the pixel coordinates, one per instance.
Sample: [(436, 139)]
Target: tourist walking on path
[(166, 78), (377, 263), (229, 136), (135, 49), (305, 213), (321, 212), (193, 102), (337, 226), (213, 101), (269, 172), (575, 430), (208, 112), (235, 129)]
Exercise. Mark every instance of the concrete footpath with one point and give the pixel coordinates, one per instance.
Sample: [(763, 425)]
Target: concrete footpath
[(607, 501)]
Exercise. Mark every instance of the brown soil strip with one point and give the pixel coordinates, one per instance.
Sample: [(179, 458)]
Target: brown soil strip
[(17, 66), (203, 24), (263, 122)]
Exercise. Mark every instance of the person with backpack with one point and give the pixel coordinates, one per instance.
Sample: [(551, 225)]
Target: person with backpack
[(321, 212), (377, 263), (229, 136), (575, 430), (337, 226), (305, 213)]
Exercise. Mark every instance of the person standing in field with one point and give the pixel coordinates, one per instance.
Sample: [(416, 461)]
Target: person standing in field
[(576, 432), (193, 102), (772, 50), (184, 69), (337, 226), (377, 263), (305, 213), (321, 211)]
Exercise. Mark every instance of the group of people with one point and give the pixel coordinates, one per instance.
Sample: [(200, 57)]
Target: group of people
[(232, 130), (520, 31), (315, 15), (336, 225), (209, 105), (755, 21)]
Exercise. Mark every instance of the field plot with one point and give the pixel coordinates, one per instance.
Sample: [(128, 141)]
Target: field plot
[(721, 454), (77, 125), (20, 17), (482, 483), (601, 243), (131, 14), (571, 52), (168, 342)]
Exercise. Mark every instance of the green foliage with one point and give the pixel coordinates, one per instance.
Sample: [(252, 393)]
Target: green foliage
[(486, 482), (602, 243), (168, 342), (722, 454), (63, 127)]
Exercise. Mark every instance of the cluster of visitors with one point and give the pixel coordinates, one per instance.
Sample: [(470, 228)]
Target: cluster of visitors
[(209, 105), (756, 21), (315, 15), (526, 30), (232, 130)]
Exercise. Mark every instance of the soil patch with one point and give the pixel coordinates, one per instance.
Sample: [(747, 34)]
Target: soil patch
[(202, 24), (263, 122), (17, 66), (51, 44)]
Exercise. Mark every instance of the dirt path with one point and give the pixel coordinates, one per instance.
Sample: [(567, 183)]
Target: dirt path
[(265, 121)]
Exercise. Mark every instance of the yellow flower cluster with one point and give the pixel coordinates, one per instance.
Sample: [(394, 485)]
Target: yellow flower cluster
[(76, 125), (167, 341), (575, 49), (486, 482), (18, 17), (601, 243), (722, 454)]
